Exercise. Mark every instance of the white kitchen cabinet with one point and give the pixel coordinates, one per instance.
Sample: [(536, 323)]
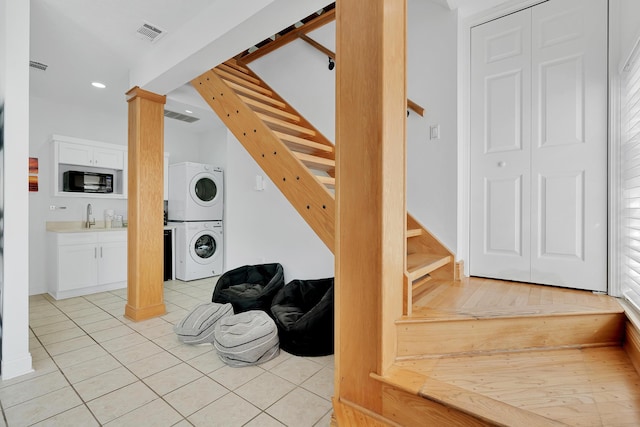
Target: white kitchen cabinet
[(88, 155), (75, 154), (87, 262)]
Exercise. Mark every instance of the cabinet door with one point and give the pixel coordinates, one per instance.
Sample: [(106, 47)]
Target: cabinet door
[(107, 158), (77, 267), (75, 154), (112, 262)]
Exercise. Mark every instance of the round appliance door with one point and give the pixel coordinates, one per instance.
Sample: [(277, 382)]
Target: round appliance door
[(204, 189), (204, 247)]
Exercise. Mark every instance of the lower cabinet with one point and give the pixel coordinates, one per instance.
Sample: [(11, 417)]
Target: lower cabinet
[(87, 262)]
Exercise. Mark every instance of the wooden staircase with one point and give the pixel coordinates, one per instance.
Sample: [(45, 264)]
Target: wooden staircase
[(301, 162)]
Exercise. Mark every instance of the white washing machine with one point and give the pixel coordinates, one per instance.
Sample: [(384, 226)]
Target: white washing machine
[(195, 192), (199, 249)]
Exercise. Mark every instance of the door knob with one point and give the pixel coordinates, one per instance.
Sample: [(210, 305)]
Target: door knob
[(502, 164)]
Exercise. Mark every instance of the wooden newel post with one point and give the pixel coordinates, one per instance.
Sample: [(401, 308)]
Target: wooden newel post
[(370, 193), (145, 205)]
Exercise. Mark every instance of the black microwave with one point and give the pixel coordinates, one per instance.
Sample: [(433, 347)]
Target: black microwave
[(87, 182)]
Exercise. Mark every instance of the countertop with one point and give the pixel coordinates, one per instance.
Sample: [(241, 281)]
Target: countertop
[(78, 227)]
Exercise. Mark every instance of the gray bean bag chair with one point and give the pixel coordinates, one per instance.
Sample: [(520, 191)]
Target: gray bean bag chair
[(199, 324), (251, 287), (247, 338), (303, 311)]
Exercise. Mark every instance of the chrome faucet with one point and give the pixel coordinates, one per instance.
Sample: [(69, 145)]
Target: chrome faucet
[(90, 221)]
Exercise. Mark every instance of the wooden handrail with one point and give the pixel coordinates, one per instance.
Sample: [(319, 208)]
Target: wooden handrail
[(410, 104)]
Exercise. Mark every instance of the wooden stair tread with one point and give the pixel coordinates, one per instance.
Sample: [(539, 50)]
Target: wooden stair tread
[(235, 65), (277, 111), (419, 265), (284, 124), (228, 77), (329, 181), (238, 73), (484, 408), (414, 232), (315, 162), (303, 144), (257, 95)]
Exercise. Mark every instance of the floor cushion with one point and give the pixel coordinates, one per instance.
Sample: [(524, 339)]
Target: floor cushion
[(303, 311), (247, 338), (250, 287), (198, 326)]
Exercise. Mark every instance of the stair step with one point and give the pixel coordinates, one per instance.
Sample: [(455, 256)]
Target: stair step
[(234, 64), (228, 77), (414, 232), (315, 162), (254, 94), (270, 109), (240, 74), (419, 265), (303, 145), (329, 181), (284, 124)]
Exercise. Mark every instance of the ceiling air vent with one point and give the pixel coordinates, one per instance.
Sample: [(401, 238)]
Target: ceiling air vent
[(178, 116), (150, 32), (38, 65)]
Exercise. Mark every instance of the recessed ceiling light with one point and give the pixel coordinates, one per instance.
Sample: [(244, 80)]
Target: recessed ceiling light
[(98, 85), (188, 111)]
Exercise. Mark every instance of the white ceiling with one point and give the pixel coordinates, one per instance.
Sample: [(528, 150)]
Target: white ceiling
[(95, 40)]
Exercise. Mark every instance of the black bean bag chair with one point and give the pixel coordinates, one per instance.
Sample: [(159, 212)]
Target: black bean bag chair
[(251, 287), (303, 312)]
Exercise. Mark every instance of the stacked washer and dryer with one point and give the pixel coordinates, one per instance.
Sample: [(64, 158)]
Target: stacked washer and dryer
[(195, 208)]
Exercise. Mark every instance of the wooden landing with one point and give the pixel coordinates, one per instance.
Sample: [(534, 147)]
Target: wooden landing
[(575, 387)]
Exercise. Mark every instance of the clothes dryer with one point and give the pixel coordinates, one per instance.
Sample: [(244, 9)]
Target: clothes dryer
[(196, 192), (199, 249)]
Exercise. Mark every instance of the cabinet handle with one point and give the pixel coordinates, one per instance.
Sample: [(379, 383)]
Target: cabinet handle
[(95, 253), (100, 251)]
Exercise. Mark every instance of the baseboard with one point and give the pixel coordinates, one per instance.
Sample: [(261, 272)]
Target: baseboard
[(458, 271)]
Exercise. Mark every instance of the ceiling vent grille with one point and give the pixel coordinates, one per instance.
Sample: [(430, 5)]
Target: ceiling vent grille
[(179, 116), (150, 32), (38, 65)]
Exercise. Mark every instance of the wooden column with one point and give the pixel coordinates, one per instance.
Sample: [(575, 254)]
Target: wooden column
[(370, 192), (145, 207)]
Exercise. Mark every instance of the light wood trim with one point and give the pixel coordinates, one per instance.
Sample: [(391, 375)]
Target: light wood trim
[(270, 109), (257, 95), (427, 243), (287, 125), (469, 336), (329, 181), (304, 143), (314, 202), (292, 35), (348, 414), (315, 162), (238, 67), (632, 344), (459, 271), (414, 232), (228, 77), (241, 74), (146, 168), (370, 192)]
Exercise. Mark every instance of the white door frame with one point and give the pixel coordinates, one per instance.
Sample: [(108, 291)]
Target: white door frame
[(464, 124)]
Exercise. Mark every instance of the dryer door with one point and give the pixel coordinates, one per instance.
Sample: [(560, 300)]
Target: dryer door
[(204, 189), (204, 247)]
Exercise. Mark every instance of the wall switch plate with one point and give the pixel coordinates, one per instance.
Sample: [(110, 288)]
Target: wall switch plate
[(434, 132)]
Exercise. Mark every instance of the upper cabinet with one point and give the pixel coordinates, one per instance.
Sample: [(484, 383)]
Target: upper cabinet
[(88, 155), (75, 154)]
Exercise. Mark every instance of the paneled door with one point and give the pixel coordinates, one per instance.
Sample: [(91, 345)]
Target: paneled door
[(539, 146)]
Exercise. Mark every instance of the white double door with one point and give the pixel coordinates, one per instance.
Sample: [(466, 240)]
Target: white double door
[(539, 146)]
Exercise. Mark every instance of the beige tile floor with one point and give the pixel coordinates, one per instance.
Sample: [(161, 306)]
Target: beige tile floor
[(94, 367)]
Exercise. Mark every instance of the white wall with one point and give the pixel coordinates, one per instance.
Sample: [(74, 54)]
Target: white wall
[(262, 227), (14, 27), (629, 25), (432, 83), (48, 117)]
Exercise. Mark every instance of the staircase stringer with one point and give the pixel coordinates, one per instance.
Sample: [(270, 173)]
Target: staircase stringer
[(303, 190)]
